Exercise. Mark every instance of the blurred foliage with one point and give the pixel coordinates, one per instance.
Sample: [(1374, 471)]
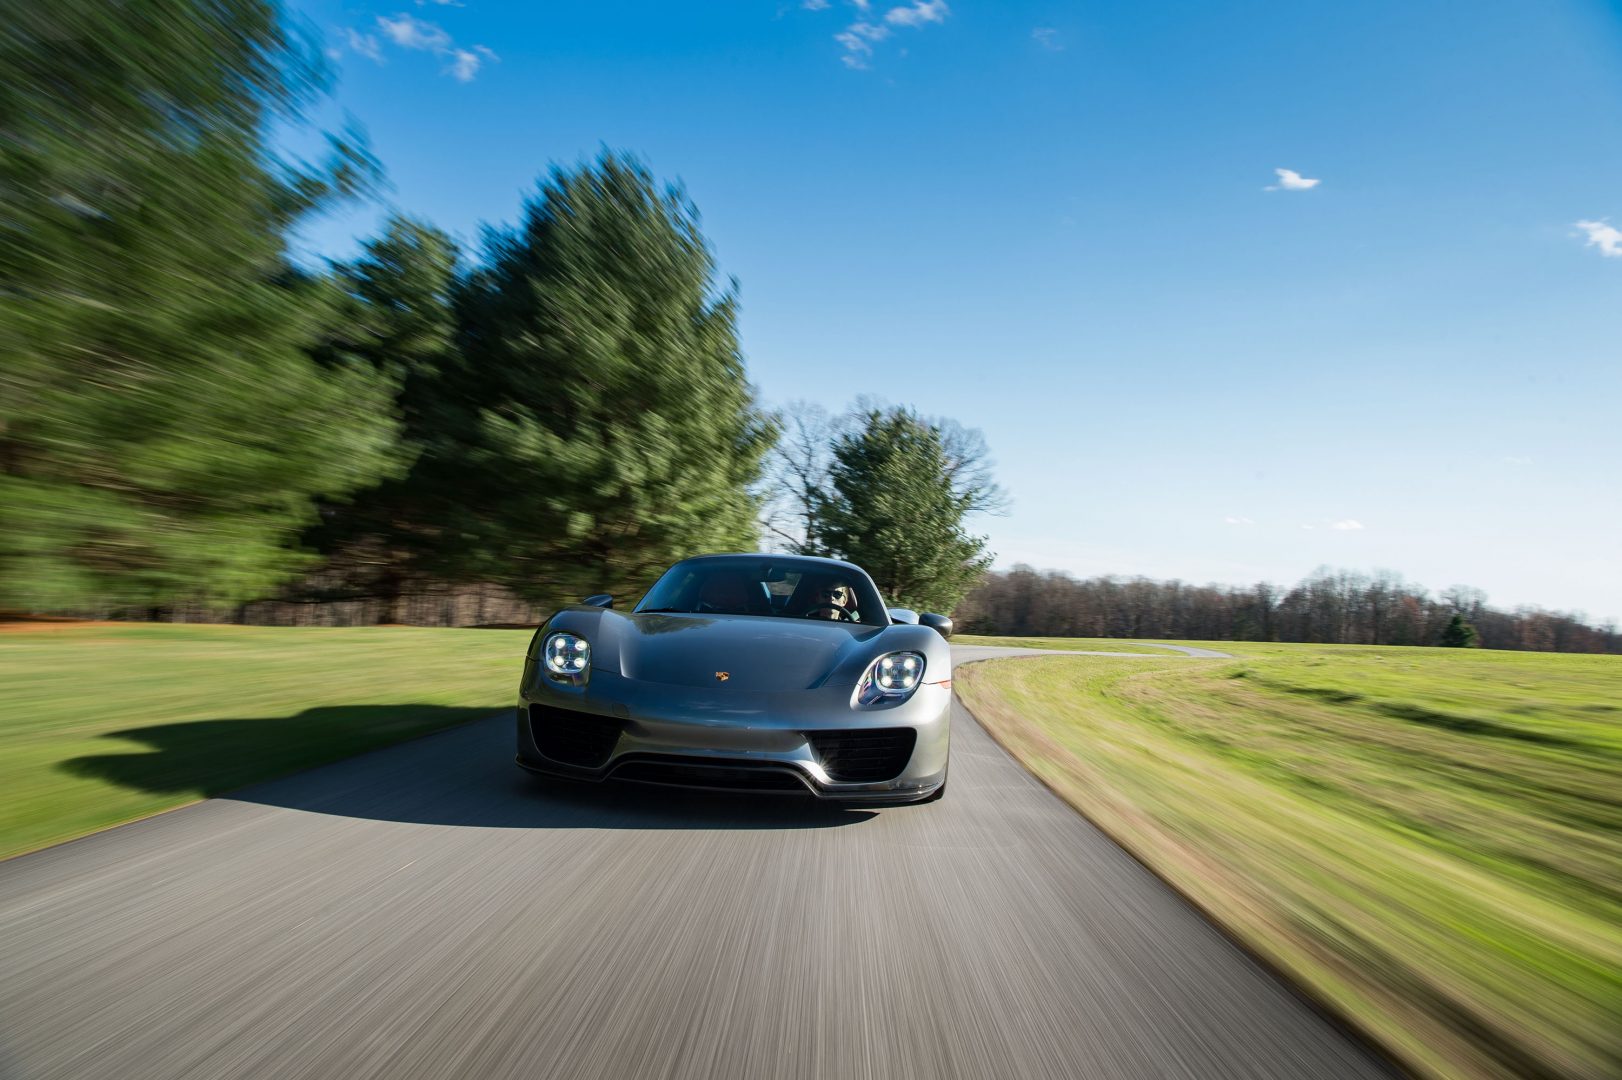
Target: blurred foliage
[(1459, 634), (607, 426), (181, 408), (891, 506), (163, 427), (1333, 606)]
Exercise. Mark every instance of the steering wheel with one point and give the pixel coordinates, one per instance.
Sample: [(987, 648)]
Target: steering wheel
[(841, 614)]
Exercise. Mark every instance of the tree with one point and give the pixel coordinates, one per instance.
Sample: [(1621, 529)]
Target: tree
[(397, 314), (797, 468), (163, 429), (799, 463), (1459, 634), (607, 425), (890, 507)]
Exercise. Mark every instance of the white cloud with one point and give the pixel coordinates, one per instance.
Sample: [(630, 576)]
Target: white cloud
[(1603, 235), (442, 3), (365, 45), (1233, 520), (465, 63), (1517, 461), (858, 38), (408, 32), (1290, 180), (412, 33), (1048, 38), (1348, 525), (921, 12), (815, 5)]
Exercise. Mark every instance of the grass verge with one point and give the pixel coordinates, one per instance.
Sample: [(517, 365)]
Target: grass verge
[(108, 723), (1428, 840), (1081, 644)]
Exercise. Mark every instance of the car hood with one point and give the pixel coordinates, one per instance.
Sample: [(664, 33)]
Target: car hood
[(756, 653)]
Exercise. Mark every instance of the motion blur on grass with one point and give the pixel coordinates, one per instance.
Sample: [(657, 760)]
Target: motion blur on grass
[(105, 723), (1431, 840)]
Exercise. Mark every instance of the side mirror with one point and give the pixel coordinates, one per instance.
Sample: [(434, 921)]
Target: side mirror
[(903, 615), (938, 623), (602, 600)]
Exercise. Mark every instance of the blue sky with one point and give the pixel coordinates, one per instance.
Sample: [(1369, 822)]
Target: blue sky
[(1052, 221)]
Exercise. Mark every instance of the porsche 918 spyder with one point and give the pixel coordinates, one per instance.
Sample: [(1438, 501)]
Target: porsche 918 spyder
[(770, 673)]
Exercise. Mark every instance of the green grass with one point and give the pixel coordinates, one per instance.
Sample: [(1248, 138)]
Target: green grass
[(1429, 839), (1082, 644), (103, 724)]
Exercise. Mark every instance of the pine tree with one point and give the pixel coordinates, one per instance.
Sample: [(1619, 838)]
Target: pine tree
[(1459, 634), (609, 425), (163, 428), (397, 313), (890, 507)]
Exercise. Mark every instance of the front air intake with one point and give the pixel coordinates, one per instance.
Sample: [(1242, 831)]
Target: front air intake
[(574, 738), (721, 775), (864, 756)]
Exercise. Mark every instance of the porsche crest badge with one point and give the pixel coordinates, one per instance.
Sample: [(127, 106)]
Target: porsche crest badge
[(723, 676)]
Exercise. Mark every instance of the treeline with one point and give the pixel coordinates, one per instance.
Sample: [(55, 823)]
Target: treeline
[(1331, 606), (191, 420), (193, 425)]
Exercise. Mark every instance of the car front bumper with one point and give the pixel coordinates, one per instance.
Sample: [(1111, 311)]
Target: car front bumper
[(799, 741)]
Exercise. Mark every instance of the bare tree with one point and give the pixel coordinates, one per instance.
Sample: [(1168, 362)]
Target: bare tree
[(796, 470)]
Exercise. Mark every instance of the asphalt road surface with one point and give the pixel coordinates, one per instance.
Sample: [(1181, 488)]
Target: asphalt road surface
[(430, 911)]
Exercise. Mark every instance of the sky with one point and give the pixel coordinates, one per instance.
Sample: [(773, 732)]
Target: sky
[(1234, 290)]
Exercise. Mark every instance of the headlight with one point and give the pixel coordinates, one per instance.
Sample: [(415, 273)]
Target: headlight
[(893, 675), (566, 655)]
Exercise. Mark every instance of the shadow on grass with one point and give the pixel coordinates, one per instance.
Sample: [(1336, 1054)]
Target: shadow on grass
[(462, 776)]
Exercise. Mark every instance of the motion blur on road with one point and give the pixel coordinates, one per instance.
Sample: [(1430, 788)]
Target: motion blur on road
[(427, 911)]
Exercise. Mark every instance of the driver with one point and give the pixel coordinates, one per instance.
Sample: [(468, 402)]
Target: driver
[(833, 601)]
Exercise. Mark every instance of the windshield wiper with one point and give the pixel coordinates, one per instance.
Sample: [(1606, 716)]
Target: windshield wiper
[(664, 611)]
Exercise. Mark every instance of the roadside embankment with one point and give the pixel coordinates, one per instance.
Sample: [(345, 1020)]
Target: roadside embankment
[(1429, 841)]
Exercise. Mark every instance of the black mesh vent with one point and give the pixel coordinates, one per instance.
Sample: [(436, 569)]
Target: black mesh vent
[(864, 756), (574, 738), (742, 776)]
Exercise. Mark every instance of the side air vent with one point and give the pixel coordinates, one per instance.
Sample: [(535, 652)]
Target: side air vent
[(574, 738), (863, 756)]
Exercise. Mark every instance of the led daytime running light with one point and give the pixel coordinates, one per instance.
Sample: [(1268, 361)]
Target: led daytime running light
[(893, 675), (566, 655)]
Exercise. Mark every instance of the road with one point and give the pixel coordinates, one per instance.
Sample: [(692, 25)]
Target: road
[(429, 911)]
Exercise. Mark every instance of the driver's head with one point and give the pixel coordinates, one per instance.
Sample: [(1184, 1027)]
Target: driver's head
[(836, 593)]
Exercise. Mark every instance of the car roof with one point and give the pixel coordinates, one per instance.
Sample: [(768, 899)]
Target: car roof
[(840, 563)]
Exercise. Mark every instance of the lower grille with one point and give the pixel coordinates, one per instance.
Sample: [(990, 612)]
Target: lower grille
[(574, 738), (864, 756), (739, 777)]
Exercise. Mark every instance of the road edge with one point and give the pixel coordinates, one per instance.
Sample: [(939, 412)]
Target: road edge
[(1342, 1021)]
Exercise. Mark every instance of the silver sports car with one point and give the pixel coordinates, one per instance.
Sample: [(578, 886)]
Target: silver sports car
[(744, 672)]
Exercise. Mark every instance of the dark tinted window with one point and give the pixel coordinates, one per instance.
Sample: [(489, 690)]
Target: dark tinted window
[(786, 587)]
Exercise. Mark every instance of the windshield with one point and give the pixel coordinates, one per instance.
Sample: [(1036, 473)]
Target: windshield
[(772, 587)]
